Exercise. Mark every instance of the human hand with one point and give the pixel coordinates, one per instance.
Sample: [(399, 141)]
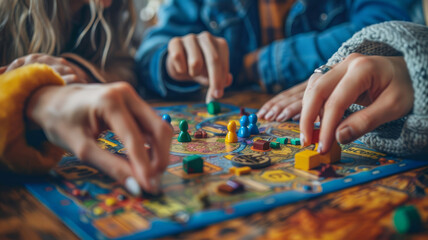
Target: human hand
[(382, 84), (73, 116), (202, 58), (285, 105), (69, 72)]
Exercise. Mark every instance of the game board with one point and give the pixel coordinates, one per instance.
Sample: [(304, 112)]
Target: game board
[(180, 207)]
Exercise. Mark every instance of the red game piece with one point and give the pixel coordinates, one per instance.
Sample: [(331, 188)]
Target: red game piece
[(75, 192), (261, 145), (315, 136), (200, 134)]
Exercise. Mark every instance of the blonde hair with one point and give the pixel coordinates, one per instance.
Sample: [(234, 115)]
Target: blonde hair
[(45, 26)]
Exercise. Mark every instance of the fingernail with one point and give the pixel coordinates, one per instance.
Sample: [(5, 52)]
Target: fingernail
[(269, 115), (302, 139), (217, 93), (261, 112), (282, 117), (209, 99), (345, 135), (132, 186), (296, 118), (319, 149)]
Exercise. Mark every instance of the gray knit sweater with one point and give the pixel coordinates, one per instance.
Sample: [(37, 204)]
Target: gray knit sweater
[(409, 135)]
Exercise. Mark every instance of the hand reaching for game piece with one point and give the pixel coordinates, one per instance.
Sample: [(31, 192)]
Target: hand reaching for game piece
[(67, 70), (202, 58), (73, 116), (382, 84), (285, 105)]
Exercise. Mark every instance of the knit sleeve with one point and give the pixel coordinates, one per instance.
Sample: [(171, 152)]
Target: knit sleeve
[(15, 152), (408, 135)]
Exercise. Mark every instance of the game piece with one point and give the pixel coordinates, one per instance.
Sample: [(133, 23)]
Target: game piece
[(306, 160), (407, 219), (315, 136), (200, 134), (243, 130), (282, 140), (327, 171), (193, 164), (243, 112), (75, 192), (254, 161), (231, 136), (132, 186), (166, 118), (274, 145), (333, 155), (98, 211), (213, 108), (236, 186), (121, 197), (295, 141), (261, 145), (238, 171), (231, 186), (254, 130), (110, 201), (184, 136)]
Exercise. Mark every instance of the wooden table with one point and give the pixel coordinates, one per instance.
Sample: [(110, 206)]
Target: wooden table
[(361, 212)]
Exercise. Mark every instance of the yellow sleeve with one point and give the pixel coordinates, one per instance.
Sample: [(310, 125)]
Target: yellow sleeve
[(15, 88)]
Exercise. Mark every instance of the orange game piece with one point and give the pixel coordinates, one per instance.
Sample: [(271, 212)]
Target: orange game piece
[(231, 136), (333, 155)]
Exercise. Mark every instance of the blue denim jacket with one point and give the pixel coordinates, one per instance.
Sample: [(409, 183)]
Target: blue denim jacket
[(314, 30)]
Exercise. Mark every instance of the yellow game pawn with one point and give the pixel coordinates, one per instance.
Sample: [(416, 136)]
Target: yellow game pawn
[(231, 136)]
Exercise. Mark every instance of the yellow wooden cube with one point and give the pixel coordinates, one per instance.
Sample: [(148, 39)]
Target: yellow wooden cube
[(333, 155), (307, 159)]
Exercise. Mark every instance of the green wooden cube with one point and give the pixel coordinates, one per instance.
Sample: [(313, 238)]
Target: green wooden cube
[(193, 164), (213, 107), (274, 145), (295, 141), (282, 140)]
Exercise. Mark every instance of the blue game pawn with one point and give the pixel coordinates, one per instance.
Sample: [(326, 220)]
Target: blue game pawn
[(253, 124), (243, 130), (166, 118)]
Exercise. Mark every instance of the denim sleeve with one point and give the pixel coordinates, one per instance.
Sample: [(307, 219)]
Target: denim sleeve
[(288, 62), (176, 18)]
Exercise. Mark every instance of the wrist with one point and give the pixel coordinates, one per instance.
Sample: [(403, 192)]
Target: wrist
[(36, 108)]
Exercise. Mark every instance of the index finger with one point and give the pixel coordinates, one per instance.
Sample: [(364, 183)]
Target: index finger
[(317, 92), (215, 70)]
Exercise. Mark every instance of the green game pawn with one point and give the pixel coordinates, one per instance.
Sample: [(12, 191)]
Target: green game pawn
[(407, 219), (213, 108), (184, 136)]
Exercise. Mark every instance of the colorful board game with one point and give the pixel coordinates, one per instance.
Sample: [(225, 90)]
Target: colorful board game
[(95, 206)]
